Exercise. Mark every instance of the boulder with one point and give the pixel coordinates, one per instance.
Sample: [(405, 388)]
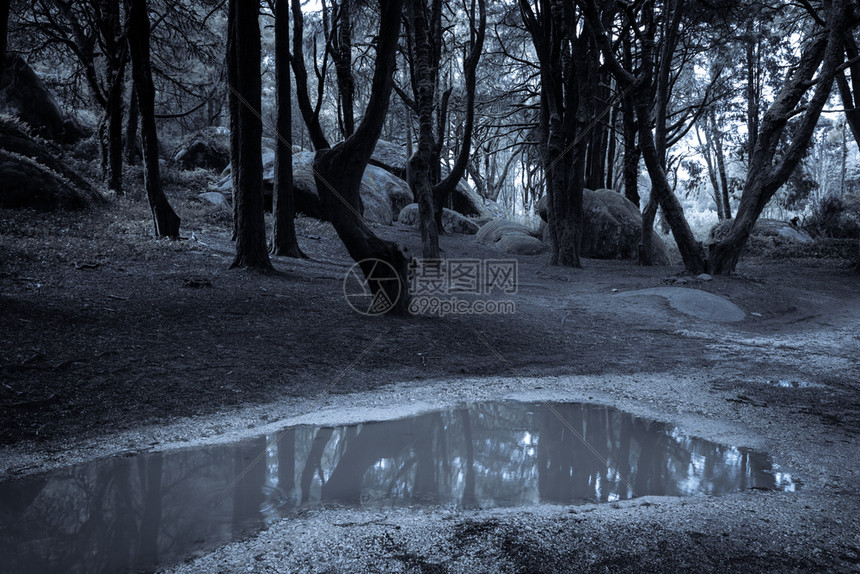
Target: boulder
[(382, 194), (24, 95), (208, 149), (466, 201), (391, 157), (494, 230), (15, 139), (517, 244), (215, 198), (511, 237), (612, 227), (779, 230), (30, 184), (452, 221), (541, 208)]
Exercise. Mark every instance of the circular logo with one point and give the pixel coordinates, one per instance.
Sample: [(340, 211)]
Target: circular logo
[(373, 293)]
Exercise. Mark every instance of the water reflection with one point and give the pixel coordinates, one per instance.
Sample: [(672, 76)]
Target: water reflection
[(125, 514)]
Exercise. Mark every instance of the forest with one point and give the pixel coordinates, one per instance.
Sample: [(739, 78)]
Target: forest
[(429, 285)]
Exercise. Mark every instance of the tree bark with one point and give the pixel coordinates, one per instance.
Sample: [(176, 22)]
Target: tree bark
[(566, 92), (443, 190), (338, 173), (243, 45), (165, 219), (4, 32), (284, 241), (419, 163), (341, 50), (766, 177), (309, 113), (651, 144), (132, 151), (110, 131)]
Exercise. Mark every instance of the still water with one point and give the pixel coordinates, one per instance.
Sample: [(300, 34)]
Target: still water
[(132, 513)]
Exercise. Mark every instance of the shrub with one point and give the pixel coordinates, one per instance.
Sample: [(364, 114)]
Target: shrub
[(836, 216)]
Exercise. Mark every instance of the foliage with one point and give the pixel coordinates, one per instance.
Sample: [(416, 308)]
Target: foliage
[(835, 216)]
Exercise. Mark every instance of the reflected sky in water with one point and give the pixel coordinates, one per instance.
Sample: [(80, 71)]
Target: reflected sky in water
[(131, 513)]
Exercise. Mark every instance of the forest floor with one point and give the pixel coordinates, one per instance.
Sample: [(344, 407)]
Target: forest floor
[(112, 341)]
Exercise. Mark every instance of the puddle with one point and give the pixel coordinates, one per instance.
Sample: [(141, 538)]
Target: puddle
[(132, 513)]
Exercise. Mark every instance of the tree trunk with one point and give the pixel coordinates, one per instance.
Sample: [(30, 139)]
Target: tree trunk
[(233, 110), (646, 253), (4, 32), (309, 113), (705, 148), (338, 172), (691, 251), (165, 219), (419, 162), (342, 33), (132, 151), (721, 170), (284, 241), (110, 131), (631, 148), (442, 191), (764, 177), (244, 49)]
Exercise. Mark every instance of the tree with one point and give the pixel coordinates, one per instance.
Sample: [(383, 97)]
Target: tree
[(284, 240), (243, 59), (116, 55), (567, 62), (424, 82), (768, 169), (4, 28), (165, 219), (649, 83), (338, 173), (424, 26), (91, 32)]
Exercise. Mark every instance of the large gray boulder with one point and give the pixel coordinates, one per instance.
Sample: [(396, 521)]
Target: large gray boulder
[(207, 149), (32, 185), (511, 237), (466, 201), (494, 230), (382, 194), (391, 157), (782, 231), (612, 227), (452, 221), (24, 95), (521, 244)]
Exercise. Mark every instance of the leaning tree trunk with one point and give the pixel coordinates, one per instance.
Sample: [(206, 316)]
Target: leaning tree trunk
[(338, 172), (165, 219), (764, 178), (284, 240), (243, 47), (661, 190)]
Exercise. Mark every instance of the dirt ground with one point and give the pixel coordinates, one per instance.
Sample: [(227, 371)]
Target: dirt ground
[(112, 341)]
